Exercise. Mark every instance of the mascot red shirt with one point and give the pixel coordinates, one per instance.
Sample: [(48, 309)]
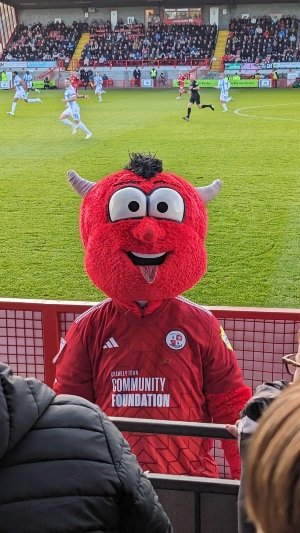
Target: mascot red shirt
[(147, 352)]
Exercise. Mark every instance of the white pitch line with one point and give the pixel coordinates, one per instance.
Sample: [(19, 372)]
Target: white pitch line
[(238, 112)]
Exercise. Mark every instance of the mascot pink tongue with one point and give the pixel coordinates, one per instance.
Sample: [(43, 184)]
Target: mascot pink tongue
[(148, 273), (147, 352)]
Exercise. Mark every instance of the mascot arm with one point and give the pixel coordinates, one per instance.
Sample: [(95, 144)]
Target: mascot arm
[(73, 373), (225, 391), (225, 408)]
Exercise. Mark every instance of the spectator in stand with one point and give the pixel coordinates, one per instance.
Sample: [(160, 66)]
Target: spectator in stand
[(137, 76), (154, 19), (65, 467)]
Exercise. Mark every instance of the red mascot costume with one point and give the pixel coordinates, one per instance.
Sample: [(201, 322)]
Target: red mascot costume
[(147, 352)]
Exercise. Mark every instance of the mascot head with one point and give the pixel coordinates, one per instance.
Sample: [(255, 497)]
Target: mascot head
[(143, 231)]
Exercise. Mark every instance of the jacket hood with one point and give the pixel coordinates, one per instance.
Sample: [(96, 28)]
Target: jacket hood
[(22, 403)]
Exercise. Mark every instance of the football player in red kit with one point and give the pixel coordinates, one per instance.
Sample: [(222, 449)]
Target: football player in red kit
[(74, 81), (181, 79), (147, 352)]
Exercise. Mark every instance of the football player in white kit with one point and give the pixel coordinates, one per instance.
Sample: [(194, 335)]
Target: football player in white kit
[(20, 94), (98, 84), (73, 110), (29, 82), (224, 86)]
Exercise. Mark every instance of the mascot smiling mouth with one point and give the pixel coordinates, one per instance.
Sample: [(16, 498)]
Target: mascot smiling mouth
[(147, 259), (147, 263)]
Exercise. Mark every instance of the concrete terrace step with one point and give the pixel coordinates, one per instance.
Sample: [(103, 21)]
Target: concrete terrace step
[(84, 39), (219, 50)]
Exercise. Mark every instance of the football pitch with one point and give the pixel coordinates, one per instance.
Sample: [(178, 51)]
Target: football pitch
[(253, 240)]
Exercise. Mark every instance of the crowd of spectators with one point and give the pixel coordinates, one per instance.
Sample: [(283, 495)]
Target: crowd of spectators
[(102, 26), (36, 42), (262, 39), (99, 25), (154, 19), (250, 40), (175, 41)]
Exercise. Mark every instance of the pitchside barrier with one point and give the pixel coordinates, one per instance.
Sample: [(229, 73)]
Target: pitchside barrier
[(194, 504), (39, 84), (234, 84), (30, 332)]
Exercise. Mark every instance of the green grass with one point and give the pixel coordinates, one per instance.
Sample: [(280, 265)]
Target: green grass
[(254, 225)]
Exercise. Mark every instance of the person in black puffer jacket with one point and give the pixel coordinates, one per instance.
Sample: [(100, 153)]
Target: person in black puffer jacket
[(65, 468)]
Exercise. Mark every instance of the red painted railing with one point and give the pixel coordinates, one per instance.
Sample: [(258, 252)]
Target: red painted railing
[(75, 64), (30, 331)]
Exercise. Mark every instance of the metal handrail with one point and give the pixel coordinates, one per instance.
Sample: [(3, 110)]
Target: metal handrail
[(170, 427), (194, 484)]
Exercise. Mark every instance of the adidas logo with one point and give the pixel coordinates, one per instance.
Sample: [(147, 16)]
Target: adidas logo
[(111, 343)]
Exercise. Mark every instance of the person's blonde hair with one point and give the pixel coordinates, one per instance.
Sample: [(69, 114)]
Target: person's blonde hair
[(273, 467)]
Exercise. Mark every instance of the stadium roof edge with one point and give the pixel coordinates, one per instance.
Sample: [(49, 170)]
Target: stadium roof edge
[(54, 4)]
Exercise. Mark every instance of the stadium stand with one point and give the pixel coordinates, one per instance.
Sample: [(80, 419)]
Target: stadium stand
[(249, 40), (264, 39), (55, 41), (171, 42)]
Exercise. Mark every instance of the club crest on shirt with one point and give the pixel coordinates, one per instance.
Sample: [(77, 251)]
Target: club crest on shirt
[(175, 340), (225, 339)]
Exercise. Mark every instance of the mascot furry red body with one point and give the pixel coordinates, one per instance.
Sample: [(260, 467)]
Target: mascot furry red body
[(147, 352)]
